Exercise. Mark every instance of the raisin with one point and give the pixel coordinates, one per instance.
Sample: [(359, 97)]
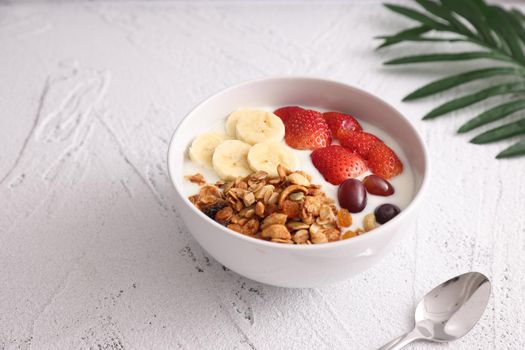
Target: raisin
[(344, 218), (211, 210)]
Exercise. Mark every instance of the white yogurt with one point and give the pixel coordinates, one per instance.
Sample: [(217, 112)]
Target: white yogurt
[(404, 183)]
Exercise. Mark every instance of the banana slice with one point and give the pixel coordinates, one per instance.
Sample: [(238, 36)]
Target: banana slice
[(256, 125), (230, 159), (202, 148), (266, 156), (231, 122)]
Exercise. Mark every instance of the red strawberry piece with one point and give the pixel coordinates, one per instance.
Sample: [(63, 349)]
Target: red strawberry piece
[(384, 162), (359, 142), (307, 129), (336, 163), (337, 121), (286, 112)]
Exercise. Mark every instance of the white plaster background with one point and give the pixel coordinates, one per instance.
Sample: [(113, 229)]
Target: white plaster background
[(92, 253)]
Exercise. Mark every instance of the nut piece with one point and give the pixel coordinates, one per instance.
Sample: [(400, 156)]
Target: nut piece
[(224, 215), (259, 209), (251, 227), (247, 212), (297, 225), (314, 229), (197, 179), (326, 215), (238, 206), (332, 234), (289, 190), (270, 209), (306, 217), (274, 219), (255, 186), (273, 199), (313, 204), (248, 199), (275, 181), (259, 175), (259, 194), (242, 221), (194, 199), (236, 193), (285, 241), (318, 237), (235, 227), (227, 186), (308, 177), (292, 209), (301, 236), (296, 196), (282, 171), (369, 222), (209, 194), (298, 179), (278, 240), (276, 231)]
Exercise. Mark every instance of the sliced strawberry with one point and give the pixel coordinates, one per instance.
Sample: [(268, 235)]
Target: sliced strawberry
[(384, 162), (359, 142), (286, 112), (337, 121), (307, 129), (336, 163)]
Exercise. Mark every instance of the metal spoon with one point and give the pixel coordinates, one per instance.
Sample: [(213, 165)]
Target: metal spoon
[(448, 311)]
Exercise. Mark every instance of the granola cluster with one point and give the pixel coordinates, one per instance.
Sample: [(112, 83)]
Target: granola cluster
[(283, 209)]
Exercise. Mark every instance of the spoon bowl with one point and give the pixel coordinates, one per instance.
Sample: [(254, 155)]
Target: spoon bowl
[(454, 307), (449, 311)]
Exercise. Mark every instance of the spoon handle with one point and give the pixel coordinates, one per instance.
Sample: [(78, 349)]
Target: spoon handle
[(403, 340)]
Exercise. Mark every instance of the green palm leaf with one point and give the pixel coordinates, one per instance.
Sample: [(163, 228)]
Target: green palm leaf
[(518, 149), (443, 13), (500, 133), (412, 33), (459, 79), (468, 100), (498, 32), (503, 28), (436, 57), (474, 15), (492, 115), (416, 15), (417, 38), (517, 25), (518, 15)]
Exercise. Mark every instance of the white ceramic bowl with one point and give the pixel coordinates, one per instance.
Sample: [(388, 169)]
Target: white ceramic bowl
[(296, 265)]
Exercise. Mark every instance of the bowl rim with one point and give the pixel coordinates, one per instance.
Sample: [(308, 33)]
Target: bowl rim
[(379, 231)]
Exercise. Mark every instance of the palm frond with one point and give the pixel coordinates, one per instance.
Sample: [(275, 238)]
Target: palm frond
[(470, 99), (445, 14), (493, 114), (500, 133), (499, 33), (411, 33), (459, 79), (436, 57), (518, 149), (475, 15), (417, 16)]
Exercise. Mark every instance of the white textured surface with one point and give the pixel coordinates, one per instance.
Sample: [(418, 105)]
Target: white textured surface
[(92, 254)]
